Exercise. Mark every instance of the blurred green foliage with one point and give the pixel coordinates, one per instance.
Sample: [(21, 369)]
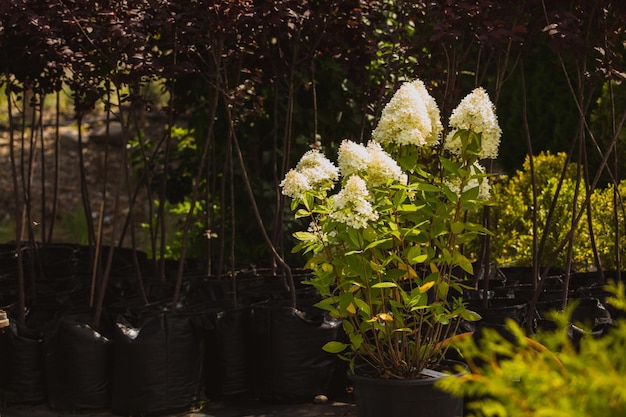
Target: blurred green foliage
[(548, 375)]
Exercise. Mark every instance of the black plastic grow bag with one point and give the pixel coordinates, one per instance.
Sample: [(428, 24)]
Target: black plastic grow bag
[(79, 365), (22, 378), (291, 365), (158, 363)]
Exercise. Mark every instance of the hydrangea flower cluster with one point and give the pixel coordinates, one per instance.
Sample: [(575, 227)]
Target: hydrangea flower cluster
[(390, 226), (410, 118), (352, 158), (382, 167), (351, 205), (478, 180), (313, 172), (371, 161), (476, 112)]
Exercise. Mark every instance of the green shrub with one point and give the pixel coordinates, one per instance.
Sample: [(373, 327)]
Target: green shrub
[(605, 206), (512, 217), (546, 375), (513, 214)]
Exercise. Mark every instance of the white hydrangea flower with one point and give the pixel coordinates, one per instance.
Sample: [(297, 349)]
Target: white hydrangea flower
[(484, 191), (313, 171), (382, 166), (295, 184), (433, 113), (351, 205), (410, 118), (477, 113), (314, 227), (484, 187), (352, 158), (317, 168)]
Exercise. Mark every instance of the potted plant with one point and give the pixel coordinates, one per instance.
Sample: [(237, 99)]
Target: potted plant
[(388, 228)]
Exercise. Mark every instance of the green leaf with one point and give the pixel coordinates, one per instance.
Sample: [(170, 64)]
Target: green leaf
[(353, 235), (300, 213), (449, 165), (345, 301), (465, 264), (457, 227), (416, 301), (363, 306), (385, 285), (356, 339), (450, 195), (423, 186), (327, 304), (395, 274), (369, 234), (413, 252), (335, 347), (399, 197), (442, 289), (409, 208), (305, 236), (378, 243), (470, 315)]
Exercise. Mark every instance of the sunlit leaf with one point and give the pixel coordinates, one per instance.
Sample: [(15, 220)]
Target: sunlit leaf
[(425, 287), (385, 284), (335, 347)]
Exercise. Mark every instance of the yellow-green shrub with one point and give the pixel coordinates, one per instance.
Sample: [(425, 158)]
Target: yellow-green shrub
[(546, 375), (512, 243), (604, 205)]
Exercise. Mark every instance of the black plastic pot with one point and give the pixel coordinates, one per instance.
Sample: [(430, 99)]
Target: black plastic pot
[(523, 274), (376, 397), (589, 316), (22, 378), (158, 363), (477, 288), (229, 367), (290, 364), (498, 310), (79, 365), (22, 362)]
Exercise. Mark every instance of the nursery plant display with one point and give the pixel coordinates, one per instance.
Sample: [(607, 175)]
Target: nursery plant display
[(388, 230)]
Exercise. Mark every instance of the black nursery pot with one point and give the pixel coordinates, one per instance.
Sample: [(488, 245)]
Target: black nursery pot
[(523, 274), (499, 309), (376, 397), (22, 361), (21, 366), (158, 362), (229, 367), (290, 364), (79, 365)]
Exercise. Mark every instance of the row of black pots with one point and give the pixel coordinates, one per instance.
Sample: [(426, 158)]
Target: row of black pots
[(49, 261), (510, 294), (153, 361), (240, 331)]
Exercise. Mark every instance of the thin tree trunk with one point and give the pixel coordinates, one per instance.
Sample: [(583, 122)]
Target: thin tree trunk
[(21, 300)]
